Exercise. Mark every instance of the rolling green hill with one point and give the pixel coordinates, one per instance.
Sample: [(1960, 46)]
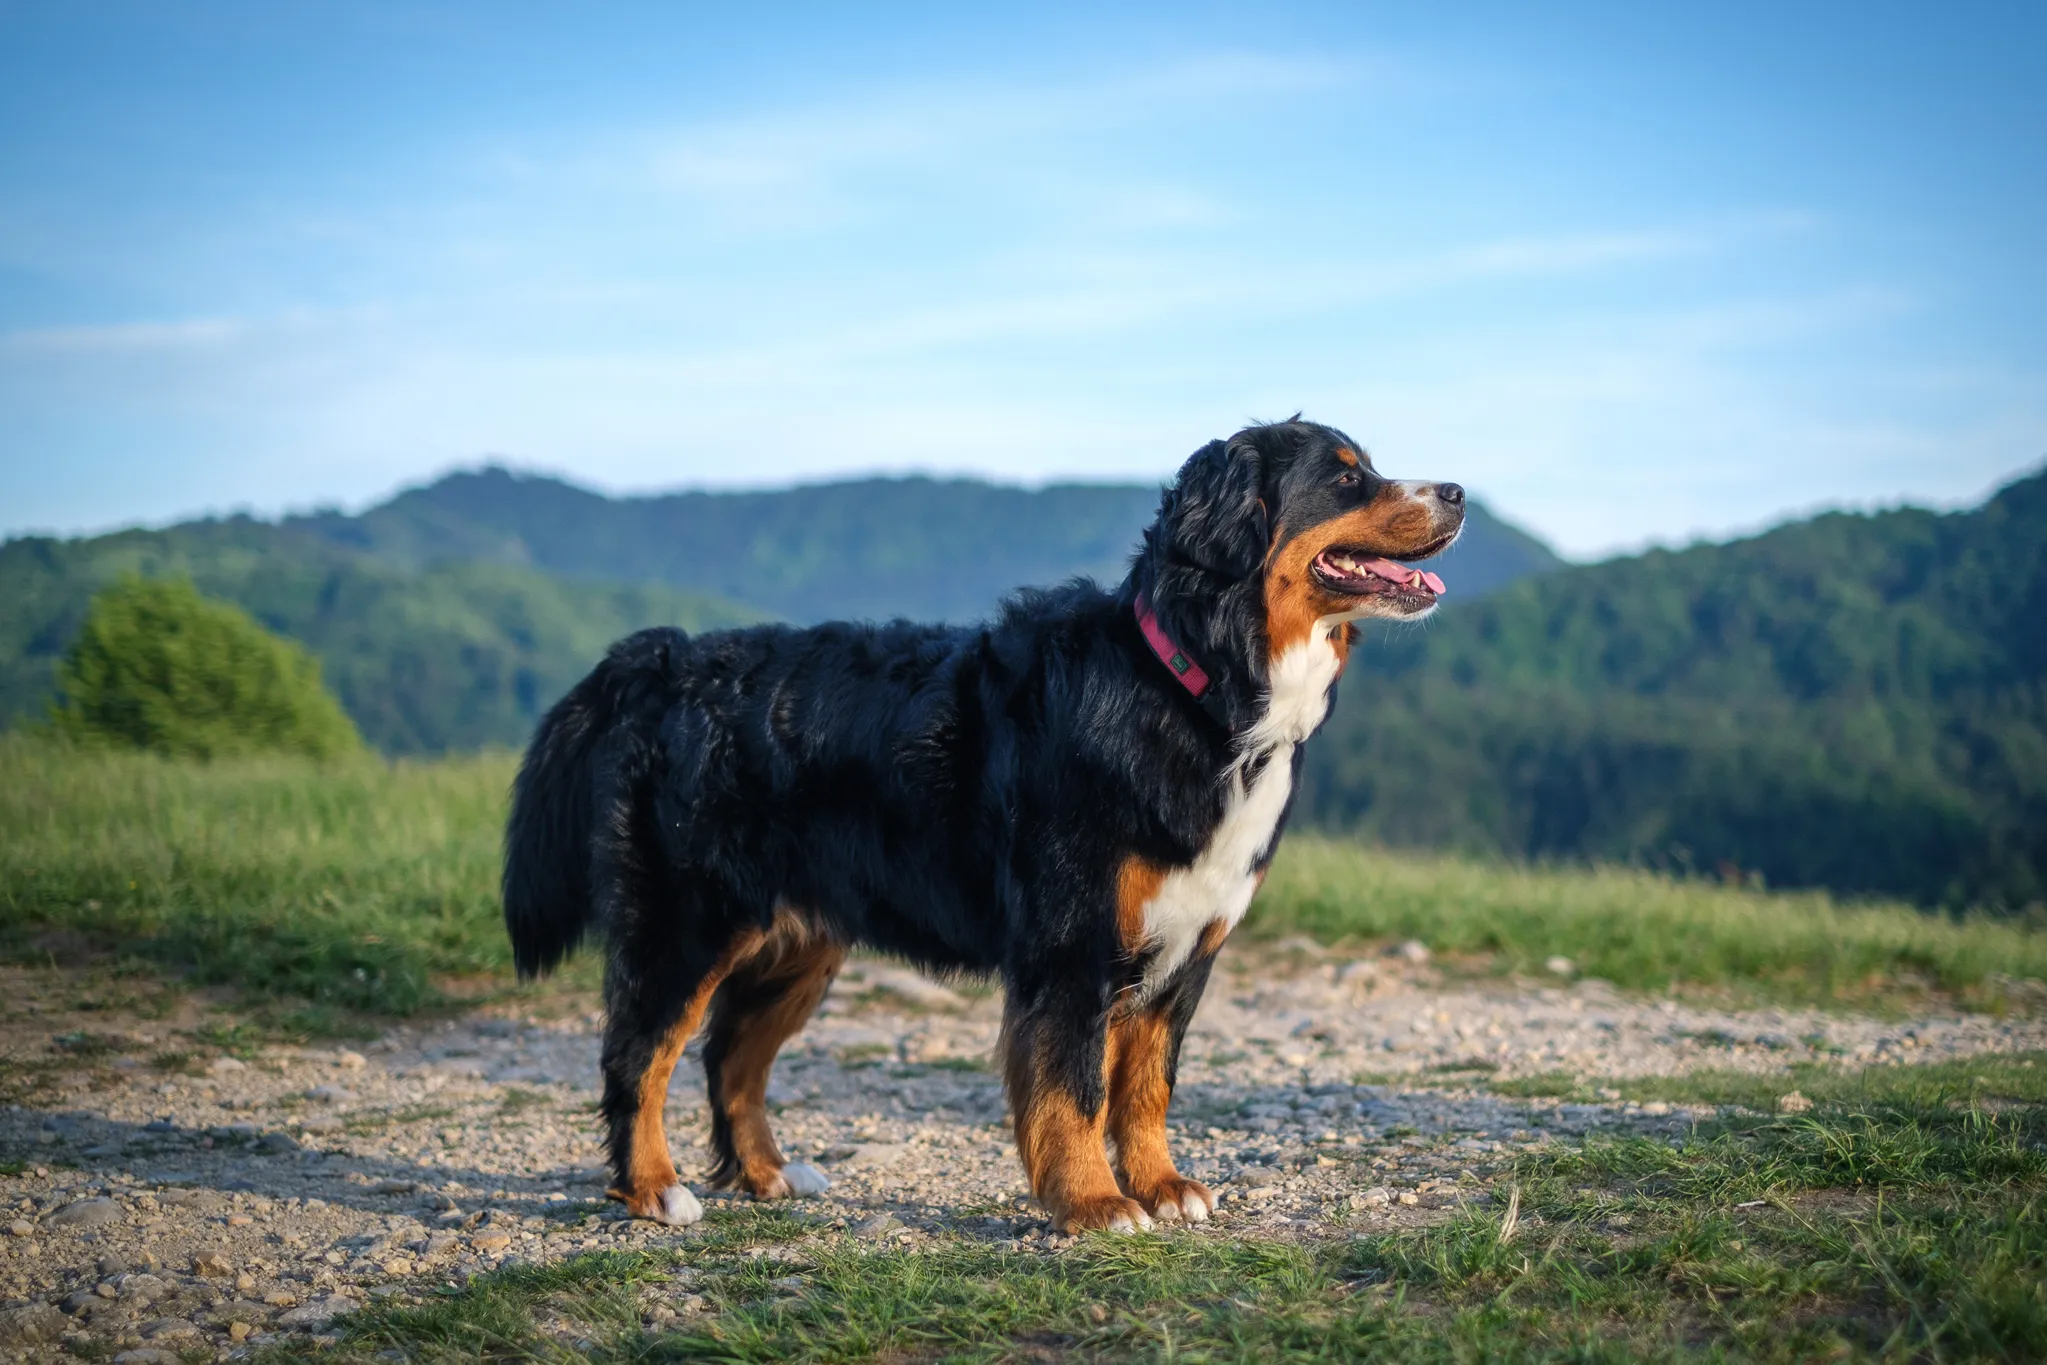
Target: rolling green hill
[(1852, 701), (450, 616), (927, 549), (1857, 702), (446, 656)]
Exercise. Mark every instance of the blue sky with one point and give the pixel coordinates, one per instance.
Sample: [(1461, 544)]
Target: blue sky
[(1634, 273)]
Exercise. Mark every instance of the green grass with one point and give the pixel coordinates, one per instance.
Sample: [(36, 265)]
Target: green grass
[(364, 887), (352, 886), (1637, 929), (1904, 1222)]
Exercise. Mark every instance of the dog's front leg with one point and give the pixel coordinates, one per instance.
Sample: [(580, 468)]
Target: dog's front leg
[(1144, 1048), (1056, 1057)]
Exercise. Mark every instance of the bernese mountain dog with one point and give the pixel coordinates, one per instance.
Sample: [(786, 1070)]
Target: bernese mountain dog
[(1078, 797)]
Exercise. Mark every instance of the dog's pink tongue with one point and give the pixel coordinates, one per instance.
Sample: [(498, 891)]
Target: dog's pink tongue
[(1394, 572)]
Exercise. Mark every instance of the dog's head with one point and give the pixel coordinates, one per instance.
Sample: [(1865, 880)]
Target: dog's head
[(1297, 510)]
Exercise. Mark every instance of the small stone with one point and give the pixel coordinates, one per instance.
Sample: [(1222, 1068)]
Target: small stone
[(280, 1298), (146, 1355), (1378, 1197), (1793, 1103), (1255, 1177), (1408, 1198), (1097, 1313), (245, 1282), (1359, 978), (86, 1213), (317, 1313), (1656, 1109), (350, 1061), (1414, 950), (1559, 965), (222, 1066), (31, 1324), (168, 1329), (394, 1187), (880, 1225), (21, 1227), (490, 1241), (239, 1331), (873, 1156), (278, 1144), (213, 1265), (330, 1094), (141, 1288)]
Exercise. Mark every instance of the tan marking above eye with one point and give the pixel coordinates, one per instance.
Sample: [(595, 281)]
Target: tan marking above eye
[(1348, 456)]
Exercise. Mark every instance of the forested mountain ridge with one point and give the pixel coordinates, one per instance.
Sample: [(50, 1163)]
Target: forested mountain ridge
[(865, 549), (1853, 701), (446, 656), (452, 615)]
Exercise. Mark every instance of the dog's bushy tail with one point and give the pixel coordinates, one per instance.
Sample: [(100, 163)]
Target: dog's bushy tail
[(590, 754)]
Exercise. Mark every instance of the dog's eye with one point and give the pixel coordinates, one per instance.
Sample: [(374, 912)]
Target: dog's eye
[(1348, 476)]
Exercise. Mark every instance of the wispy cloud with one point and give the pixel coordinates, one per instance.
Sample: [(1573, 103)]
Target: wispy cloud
[(186, 334)]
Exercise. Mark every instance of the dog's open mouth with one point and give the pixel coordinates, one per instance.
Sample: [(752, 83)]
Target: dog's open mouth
[(1358, 574)]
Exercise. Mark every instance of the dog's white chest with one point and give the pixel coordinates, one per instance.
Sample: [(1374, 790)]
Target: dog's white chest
[(1218, 886)]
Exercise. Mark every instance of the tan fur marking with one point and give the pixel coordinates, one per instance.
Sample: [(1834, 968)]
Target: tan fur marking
[(805, 969), (1138, 1099), (1212, 937), (1062, 1149), (651, 1169), (1391, 524), (1138, 1095), (1137, 885), (1348, 456)]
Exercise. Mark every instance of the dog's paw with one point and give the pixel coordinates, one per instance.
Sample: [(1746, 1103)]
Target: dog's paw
[(1106, 1213), (804, 1179), (674, 1207), (1178, 1200)]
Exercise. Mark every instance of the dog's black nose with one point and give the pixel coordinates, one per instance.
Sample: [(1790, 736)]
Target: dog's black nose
[(1452, 493)]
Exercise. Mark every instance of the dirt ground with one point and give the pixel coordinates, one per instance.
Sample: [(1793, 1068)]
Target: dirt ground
[(171, 1189)]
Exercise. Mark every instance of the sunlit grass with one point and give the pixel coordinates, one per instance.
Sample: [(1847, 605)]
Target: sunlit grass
[(353, 884), (367, 885), (1638, 929)]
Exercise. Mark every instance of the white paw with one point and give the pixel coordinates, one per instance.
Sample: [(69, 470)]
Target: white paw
[(805, 1179), (1136, 1220), (1194, 1208), (678, 1207)]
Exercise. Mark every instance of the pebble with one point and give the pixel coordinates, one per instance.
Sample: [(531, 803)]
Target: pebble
[(86, 1213)]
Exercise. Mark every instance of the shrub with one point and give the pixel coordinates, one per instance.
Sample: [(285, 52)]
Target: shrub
[(159, 666)]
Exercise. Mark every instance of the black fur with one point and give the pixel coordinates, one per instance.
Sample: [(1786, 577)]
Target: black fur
[(961, 797)]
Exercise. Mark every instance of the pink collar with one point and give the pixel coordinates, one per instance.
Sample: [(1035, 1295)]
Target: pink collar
[(1191, 675)]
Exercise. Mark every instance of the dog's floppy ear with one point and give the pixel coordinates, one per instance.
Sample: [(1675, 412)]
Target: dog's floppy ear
[(1217, 518)]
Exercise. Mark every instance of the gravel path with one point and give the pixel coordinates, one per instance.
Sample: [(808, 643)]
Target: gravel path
[(152, 1213)]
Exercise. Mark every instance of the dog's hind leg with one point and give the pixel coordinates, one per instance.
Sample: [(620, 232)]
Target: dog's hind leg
[(761, 1006), (657, 996)]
